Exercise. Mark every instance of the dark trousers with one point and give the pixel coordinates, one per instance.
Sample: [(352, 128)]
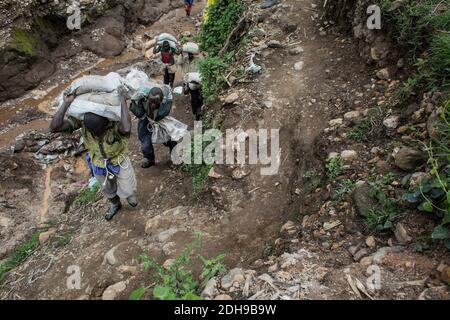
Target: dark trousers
[(196, 103), (145, 136), (169, 78)]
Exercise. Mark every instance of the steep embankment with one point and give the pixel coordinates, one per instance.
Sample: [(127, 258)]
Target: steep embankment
[(35, 36), (302, 233)]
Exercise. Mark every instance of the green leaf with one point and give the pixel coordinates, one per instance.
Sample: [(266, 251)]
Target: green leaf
[(137, 294), (446, 218), (163, 293), (191, 296), (447, 243), (440, 233), (426, 206), (412, 197)]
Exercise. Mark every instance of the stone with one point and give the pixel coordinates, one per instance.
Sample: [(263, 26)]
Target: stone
[(380, 255), (401, 234), (384, 74), (351, 115), (273, 268), (112, 292), (274, 44), (445, 275), (44, 236), (223, 297), (167, 234), (168, 263), (409, 159), (296, 51), (153, 224), (228, 280), (19, 146), (298, 66), (362, 201), (336, 122), (433, 124), (5, 222), (391, 122), (232, 98), (349, 155), (366, 261), (210, 288), (268, 104), (370, 242), (360, 254), (128, 269), (110, 257)]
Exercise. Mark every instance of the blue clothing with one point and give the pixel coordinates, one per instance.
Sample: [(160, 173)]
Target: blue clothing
[(97, 171), (189, 2)]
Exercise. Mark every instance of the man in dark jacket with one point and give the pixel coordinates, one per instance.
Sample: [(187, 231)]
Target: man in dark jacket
[(151, 105)]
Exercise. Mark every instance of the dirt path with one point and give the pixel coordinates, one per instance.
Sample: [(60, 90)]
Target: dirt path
[(307, 80)]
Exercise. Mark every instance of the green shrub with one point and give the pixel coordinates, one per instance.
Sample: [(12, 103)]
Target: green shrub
[(382, 215), (432, 195), (334, 167), (19, 255), (177, 282), (87, 195), (222, 19)]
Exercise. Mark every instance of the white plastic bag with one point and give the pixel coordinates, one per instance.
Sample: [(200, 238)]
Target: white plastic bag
[(167, 129), (194, 80), (191, 47)]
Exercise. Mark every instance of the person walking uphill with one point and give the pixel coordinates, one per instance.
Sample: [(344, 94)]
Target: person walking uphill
[(188, 7), (107, 145), (168, 59), (150, 106)]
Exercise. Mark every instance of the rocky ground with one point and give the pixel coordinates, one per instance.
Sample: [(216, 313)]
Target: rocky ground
[(299, 234)]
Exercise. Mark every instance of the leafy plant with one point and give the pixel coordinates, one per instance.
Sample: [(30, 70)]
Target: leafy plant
[(432, 194), (19, 255), (360, 131), (222, 17), (211, 268), (345, 187), (87, 195), (381, 216), (334, 167), (177, 282)]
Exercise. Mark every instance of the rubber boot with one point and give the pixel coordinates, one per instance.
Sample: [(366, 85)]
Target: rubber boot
[(116, 205), (147, 163), (132, 201)]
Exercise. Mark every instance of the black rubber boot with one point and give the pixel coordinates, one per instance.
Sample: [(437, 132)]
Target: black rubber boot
[(116, 205), (147, 163), (132, 201)]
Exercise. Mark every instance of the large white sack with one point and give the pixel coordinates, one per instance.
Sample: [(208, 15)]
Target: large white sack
[(137, 79), (103, 104), (166, 37), (96, 94), (191, 47), (193, 79), (87, 84)]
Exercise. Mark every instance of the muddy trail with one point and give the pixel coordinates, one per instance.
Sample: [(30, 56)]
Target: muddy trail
[(309, 78)]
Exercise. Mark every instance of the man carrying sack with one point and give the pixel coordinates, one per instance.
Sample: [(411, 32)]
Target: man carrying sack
[(107, 144), (152, 107)]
